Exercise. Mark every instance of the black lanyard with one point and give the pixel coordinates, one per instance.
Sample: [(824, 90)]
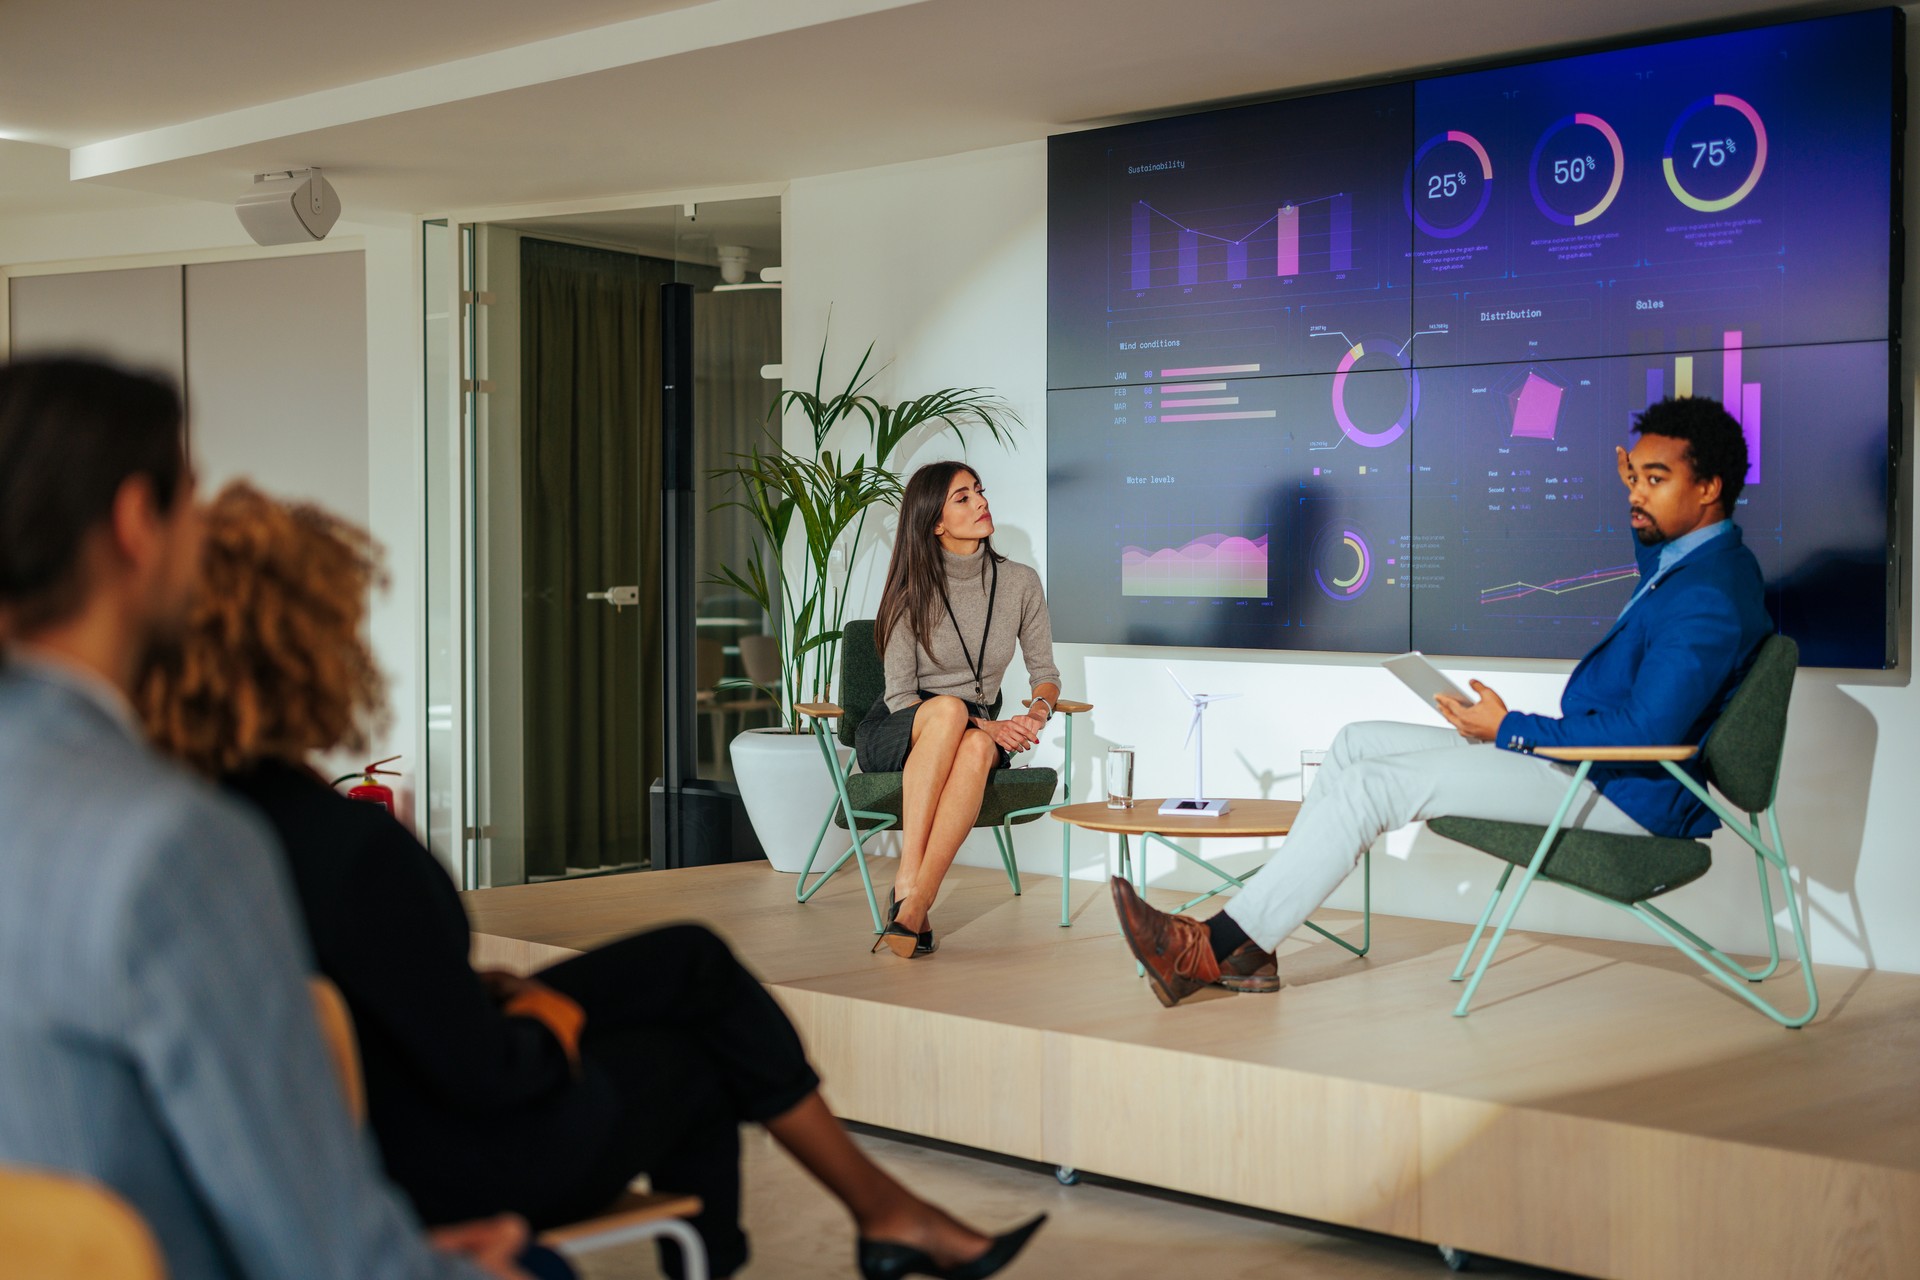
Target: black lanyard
[(974, 664)]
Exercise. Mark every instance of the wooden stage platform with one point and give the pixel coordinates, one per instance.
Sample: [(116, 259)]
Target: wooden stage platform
[(1606, 1109)]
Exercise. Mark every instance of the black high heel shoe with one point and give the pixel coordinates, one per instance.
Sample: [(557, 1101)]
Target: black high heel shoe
[(923, 943), (885, 1260)]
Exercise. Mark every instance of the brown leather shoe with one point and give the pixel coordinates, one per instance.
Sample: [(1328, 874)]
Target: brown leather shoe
[(1174, 949), (1250, 971)]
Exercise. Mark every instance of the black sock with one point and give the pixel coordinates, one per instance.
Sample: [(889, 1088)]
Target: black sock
[(1225, 933)]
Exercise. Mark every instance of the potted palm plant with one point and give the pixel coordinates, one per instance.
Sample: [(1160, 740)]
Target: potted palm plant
[(810, 509)]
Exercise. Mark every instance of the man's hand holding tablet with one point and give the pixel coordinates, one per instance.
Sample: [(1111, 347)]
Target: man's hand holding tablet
[(1477, 720)]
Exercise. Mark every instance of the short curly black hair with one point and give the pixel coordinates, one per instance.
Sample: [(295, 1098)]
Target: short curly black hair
[(1715, 444)]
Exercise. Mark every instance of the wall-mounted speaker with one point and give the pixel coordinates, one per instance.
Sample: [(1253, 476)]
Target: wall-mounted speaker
[(289, 208)]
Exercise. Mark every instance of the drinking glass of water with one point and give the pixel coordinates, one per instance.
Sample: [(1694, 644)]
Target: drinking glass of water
[(1310, 762), (1119, 777)]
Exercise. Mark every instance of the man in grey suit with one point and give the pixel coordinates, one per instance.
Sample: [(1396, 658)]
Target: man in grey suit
[(156, 1030)]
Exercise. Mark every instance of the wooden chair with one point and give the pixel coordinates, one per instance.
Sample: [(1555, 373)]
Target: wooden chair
[(636, 1215), (58, 1226), (1742, 758), (1013, 796), (710, 660)]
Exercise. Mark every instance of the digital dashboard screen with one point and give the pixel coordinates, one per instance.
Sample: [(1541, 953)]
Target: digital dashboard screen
[(1347, 372)]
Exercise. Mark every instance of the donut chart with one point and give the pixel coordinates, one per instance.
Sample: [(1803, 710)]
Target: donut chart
[(1342, 561), (1577, 170), (1714, 156), (1386, 436), (1447, 186)]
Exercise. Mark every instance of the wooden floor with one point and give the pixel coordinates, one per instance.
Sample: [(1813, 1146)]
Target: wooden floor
[(1606, 1110)]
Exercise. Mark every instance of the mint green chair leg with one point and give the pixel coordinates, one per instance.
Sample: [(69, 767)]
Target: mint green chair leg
[(1066, 832), (1473, 939), (1526, 882), (858, 852), (1003, 837), (1139, 878), (1003, 834), (1722, 967), (1735, 977)]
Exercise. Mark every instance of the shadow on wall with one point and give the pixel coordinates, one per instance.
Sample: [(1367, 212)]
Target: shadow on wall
[(1825, 782)]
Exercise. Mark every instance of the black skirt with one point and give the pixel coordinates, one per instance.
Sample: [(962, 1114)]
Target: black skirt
[(885, 736)]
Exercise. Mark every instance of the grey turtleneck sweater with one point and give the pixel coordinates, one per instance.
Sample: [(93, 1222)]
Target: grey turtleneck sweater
[(1019, 613)]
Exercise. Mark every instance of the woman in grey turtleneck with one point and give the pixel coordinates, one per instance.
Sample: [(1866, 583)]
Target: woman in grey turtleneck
[(948, 619)]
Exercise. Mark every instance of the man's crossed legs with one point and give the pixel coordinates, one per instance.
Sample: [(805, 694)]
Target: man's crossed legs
[(1379, 776)]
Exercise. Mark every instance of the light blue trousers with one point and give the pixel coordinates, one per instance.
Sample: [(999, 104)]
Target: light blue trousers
[(1382, 775)]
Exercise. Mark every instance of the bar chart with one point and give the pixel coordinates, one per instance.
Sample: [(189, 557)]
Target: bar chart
[(1741, 398), (1295, 239)]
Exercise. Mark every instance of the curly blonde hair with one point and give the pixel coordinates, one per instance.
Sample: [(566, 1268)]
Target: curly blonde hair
[(272, 663)]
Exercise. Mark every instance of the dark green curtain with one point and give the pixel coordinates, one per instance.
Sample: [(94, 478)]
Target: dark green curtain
[(590, 451)]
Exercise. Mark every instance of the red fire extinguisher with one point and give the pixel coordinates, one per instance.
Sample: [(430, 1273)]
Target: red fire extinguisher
[(368, 788)]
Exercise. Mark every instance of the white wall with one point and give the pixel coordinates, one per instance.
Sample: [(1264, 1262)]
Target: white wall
[(136, 316), (392, 435), (943, 262), (276, 380)]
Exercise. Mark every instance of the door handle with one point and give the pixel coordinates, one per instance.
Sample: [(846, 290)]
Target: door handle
[(618, 597)]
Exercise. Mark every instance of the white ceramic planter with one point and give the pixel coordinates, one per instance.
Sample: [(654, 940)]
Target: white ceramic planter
[(786, 787)]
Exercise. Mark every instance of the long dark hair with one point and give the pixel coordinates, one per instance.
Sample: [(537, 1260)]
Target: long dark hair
[(916, 573)]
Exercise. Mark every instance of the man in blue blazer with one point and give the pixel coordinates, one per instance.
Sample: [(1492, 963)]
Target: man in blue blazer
[(1660, 676)]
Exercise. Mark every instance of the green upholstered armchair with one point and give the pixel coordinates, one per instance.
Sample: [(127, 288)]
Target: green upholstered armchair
[(1742, 758), (1013, 796)]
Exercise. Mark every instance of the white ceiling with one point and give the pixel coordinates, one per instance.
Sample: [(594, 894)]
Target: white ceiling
[(33, 182), (74, 71), (504, 107)]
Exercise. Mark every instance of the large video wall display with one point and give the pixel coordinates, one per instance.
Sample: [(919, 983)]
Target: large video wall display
[(1347, 372)]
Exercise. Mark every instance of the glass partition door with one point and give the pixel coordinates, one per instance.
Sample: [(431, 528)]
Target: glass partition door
[(547, 681)]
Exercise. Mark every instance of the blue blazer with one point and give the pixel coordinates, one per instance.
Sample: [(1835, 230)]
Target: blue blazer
[(1660, 677)]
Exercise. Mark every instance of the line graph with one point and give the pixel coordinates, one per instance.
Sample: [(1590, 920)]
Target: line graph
[(1237, 257), (1559, 586)]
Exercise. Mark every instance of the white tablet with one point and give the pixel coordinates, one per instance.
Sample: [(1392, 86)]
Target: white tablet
[(1425, 679)]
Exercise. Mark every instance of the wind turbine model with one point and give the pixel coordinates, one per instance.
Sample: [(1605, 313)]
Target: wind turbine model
[(1197, 805)]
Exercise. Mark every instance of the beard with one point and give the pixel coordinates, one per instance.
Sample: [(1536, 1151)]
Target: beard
[(1650, 536)]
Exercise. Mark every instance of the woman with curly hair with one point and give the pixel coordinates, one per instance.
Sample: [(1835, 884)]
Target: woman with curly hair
[(488, 1092)]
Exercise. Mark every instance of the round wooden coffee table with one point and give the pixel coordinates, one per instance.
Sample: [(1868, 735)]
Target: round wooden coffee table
[(1248, 819)]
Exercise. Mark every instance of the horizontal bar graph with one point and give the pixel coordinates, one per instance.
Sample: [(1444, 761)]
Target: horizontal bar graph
[(1219, 417), (1207, 370)]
